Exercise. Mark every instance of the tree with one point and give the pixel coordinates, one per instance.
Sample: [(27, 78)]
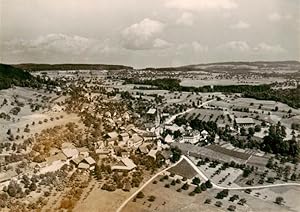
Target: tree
[(251, 131), (196, 181), (242, 201), (231, 207), (293, 177), (140, 195), (233, 198), (257, 128), (203, 187), (218, 204), (207, 201), (176, 154), (279, 200), (208, 184), (185, 186), (243, 131), (222, 194), (198, 190), (151, 198)]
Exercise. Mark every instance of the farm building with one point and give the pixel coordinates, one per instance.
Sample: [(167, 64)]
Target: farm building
[(70, 153), (191, 137), (125, 164), (244, 122)]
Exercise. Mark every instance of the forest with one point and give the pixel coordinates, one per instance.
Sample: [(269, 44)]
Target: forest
[(11, 76)]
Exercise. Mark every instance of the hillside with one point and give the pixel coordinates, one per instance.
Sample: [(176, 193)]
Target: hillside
[(54, 67), (10, 76)]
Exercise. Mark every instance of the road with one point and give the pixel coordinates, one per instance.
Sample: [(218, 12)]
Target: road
[(183, 157), (235, 188), (172, 118), (149, 181)]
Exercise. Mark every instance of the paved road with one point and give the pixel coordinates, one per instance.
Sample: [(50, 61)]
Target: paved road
[(149, 181), (235, 188)]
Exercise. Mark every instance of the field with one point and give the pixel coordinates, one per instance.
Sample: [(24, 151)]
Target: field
[(183, 169), (168, 199), (235, 154)]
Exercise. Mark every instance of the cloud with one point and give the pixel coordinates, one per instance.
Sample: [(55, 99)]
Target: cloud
[(144, 35), (244, 47), (58, 43), (200, 5), (240, 25), (267, 48), (199, 47), (241, 46), (186, 18), (274, 17), (57, 47)]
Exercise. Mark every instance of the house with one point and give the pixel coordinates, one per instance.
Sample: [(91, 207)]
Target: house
[(173, 128), (83, 151), (125, 154), (90, 161), (103, 151), (169, 139), (143, 149), (58, 89), (152, 153), (151, 114), (77, 161), (166, 155), (151, 111), (113, 136), (83, 166), (192, 137), (126, 116), (126, 164), (149, 136), (70, 153), (244, 122), (57, 157), (135, 141), (204, 133), (124, 137)]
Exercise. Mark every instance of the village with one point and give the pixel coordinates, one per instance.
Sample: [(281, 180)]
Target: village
[(114, 137)]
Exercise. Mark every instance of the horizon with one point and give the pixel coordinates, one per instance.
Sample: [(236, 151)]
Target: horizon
[(148, 67), (159, 33)]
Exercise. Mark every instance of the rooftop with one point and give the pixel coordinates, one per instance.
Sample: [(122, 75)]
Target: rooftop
[(244, 121), (151, 111)]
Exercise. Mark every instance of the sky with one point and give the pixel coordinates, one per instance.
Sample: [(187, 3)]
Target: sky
[(148, 33)]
